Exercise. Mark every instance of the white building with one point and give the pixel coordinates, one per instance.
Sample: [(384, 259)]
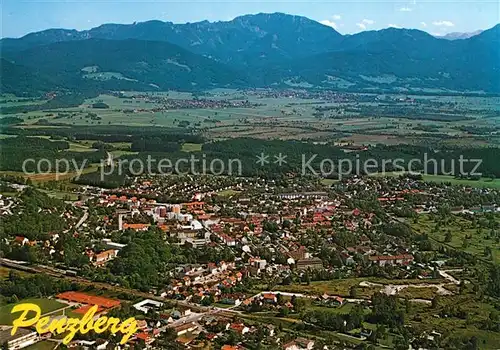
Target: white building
[(23, 338), (148, 304)]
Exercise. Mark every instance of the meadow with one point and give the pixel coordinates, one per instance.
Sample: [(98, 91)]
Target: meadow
[(43, 345), (464, 236), (297, 118), (446, 179), (41, 178), (47, 306), (342, 287)]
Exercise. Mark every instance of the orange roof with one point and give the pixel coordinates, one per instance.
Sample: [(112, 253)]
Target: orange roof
[(136, 226), (184, 340), (229, 347), (83, 298), (238, 327), (143, 336), (193, 204), (105, 254), (83, 310)]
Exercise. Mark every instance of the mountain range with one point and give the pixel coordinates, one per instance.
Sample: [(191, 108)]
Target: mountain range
[(458, 35), (260, 50)]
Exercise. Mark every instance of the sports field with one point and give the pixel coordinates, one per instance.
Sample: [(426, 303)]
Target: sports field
[(47, 306)]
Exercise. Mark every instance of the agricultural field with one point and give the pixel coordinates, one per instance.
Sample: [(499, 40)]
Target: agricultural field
[(191, 147), (41, 178), (481, 183), (472, 120), (8, 100)]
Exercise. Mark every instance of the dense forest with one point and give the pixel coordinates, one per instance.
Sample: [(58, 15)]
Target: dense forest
[(14, 151), (109, 133), (40, 215), (16, 287), (160, 143)]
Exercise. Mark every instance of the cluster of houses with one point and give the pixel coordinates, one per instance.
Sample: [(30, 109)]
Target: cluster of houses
[(272, 231)]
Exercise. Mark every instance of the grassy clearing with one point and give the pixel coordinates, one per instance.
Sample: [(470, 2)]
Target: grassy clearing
[(223, 306), (120, 145), (418, 293), (9, 194), (191, 147), (61, 194), (6, 136), (77, 147), (227, 193), (423, 319), (344, 309), (482, 183), (342, 287), (47, 305), (329, 182), (4, 272), (118, 153), (36, 178), (42, 345), (460, 228)]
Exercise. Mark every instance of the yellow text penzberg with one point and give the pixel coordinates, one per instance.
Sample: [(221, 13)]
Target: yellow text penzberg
[(72, 325)]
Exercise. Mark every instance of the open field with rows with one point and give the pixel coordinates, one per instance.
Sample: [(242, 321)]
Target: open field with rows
[(347, 120)]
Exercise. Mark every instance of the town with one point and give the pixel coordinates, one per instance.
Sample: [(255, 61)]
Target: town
[(244, 263), (249, 175)]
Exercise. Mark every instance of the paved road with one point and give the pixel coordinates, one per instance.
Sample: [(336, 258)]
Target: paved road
[(83, 219)]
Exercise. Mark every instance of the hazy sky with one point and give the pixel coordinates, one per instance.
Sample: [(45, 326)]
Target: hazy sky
[(20, 17)]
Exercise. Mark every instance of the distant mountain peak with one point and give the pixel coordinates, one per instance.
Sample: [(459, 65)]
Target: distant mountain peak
[(459, 35), (256, 50)]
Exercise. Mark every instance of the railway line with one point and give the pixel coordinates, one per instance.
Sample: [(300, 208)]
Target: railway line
[(70, 275)]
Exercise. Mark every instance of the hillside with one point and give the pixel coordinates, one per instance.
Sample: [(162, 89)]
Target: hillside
[(270, 36), (407, 58), (253, 51), (22, 81), (124, 64)]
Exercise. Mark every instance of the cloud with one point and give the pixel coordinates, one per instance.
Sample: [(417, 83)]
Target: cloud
[(364, 23), (394, 26), (329, 23), (337, 17), (443, 24), (405, 9), (423, 24)]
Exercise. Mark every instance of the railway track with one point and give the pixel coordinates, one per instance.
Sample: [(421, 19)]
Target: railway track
[(62, 274)]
